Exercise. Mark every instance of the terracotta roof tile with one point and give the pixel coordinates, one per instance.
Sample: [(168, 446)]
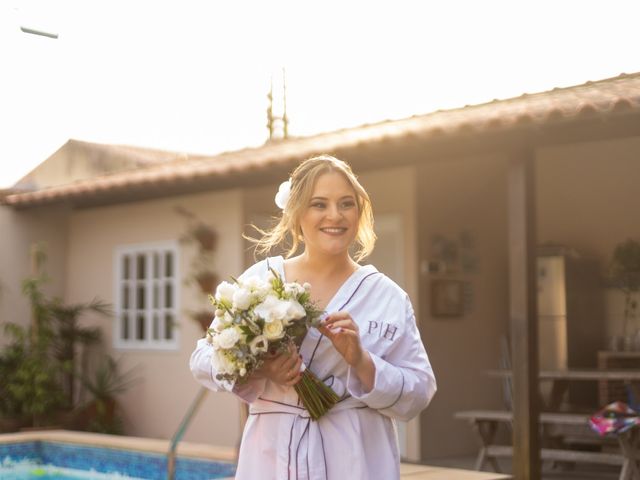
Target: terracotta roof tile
[(611, 96)]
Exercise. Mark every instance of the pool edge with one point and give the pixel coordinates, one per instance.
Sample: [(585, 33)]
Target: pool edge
[(152, 445)]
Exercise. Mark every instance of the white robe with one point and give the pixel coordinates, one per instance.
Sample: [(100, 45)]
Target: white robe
[(357, 438)]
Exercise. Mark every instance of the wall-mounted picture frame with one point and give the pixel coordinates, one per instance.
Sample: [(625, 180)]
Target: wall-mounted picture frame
[(447, 298)]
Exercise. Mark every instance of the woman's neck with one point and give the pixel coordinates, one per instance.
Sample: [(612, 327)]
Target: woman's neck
[(326, 265)]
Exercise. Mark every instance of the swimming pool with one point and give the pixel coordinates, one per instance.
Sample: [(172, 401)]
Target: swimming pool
[(50, 458)]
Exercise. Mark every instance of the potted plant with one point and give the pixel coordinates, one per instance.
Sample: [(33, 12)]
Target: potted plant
[(30, 388), (41, 364), (107, 382)]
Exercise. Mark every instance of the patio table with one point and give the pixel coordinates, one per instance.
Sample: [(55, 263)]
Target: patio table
[(561, 379)]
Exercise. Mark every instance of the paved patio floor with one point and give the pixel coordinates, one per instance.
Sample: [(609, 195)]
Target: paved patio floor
[(549, 471)]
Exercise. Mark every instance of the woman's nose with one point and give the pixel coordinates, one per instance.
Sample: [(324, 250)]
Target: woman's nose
[(333, 211)]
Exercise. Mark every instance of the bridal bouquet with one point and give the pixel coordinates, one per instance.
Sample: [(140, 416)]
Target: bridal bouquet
[(255, 317)]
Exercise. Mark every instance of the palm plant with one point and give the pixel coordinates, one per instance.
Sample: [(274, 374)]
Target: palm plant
[(105, 385), (39, 366), (70, 334)]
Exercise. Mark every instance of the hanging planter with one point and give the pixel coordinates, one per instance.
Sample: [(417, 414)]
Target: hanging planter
[(207, 281), (204, 318), (205, 236)]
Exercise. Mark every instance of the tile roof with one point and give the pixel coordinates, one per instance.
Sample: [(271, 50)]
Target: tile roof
[(92, 160), (618, 95)]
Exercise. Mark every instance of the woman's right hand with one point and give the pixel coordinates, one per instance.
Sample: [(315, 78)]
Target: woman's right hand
[(282, 368)]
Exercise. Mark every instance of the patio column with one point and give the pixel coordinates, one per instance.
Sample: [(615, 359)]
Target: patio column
[(523, 315)]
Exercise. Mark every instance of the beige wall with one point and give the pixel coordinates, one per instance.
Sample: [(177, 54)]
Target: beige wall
[(466, 194), (588, 198), (399, 199), (19, 230), (155, 406)]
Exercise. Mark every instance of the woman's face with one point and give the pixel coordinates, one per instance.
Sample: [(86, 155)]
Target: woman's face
[(330, 222)]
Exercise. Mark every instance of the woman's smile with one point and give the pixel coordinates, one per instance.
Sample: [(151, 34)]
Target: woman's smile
[(334, 230)]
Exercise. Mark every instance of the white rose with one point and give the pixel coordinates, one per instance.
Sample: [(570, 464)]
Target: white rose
[(241, 299), (258, 345), (253, 282), (228, 337), (294, 311), (262, 291), (282, 197), (225, 291), (243, 372), (273, 330), (269, 309), (306, 286)]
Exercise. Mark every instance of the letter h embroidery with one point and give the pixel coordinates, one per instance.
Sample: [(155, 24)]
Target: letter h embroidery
[(382, 330)]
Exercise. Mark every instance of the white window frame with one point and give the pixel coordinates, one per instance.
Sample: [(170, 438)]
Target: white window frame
[(148, 343)]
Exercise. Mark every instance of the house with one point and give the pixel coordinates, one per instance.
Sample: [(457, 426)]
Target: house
[(440, 187)]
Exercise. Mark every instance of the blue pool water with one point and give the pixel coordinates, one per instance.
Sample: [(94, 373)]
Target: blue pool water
[(64, 461)]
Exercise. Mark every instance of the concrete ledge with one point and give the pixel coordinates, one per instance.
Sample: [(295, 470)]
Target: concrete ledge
[(185, 449), (410, 471)]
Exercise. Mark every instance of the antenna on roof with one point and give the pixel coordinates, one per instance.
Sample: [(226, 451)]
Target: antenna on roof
[(277, 120)]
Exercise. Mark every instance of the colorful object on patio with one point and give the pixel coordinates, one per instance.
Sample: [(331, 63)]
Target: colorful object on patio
[(614, 419)]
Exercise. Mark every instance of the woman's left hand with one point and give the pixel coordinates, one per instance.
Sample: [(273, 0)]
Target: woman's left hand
[(343, 332)]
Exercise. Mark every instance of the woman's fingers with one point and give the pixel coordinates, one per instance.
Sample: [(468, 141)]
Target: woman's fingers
[(337, 326), (293, 375), (290, 362), (337, 316), (284, 368)]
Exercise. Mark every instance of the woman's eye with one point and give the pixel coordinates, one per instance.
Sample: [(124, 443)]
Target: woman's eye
[(348, 204), (317, 205)]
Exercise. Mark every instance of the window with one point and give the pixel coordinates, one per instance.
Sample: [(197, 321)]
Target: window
[(146, 296)]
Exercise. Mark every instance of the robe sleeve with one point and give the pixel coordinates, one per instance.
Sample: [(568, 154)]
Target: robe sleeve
[(203, 371), (404, 382)]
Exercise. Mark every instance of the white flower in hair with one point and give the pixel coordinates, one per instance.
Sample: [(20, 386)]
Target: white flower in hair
[(282, 197)]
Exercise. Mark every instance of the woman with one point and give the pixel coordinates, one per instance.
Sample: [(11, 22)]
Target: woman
[(367, 349)]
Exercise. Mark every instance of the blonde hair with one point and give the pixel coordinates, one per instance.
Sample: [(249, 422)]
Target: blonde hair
[(303, 179)]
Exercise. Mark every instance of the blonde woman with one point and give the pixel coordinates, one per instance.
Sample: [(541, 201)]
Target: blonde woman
[(368, 348)]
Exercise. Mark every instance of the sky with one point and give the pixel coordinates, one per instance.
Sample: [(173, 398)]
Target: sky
[(193, 76)]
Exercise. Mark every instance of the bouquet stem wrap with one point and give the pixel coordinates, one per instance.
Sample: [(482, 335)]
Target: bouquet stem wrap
[(316, 396)]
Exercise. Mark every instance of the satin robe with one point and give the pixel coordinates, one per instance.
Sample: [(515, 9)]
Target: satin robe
[(357, 438)]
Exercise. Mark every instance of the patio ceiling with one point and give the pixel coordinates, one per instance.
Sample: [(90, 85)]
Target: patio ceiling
[(608, 99)]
